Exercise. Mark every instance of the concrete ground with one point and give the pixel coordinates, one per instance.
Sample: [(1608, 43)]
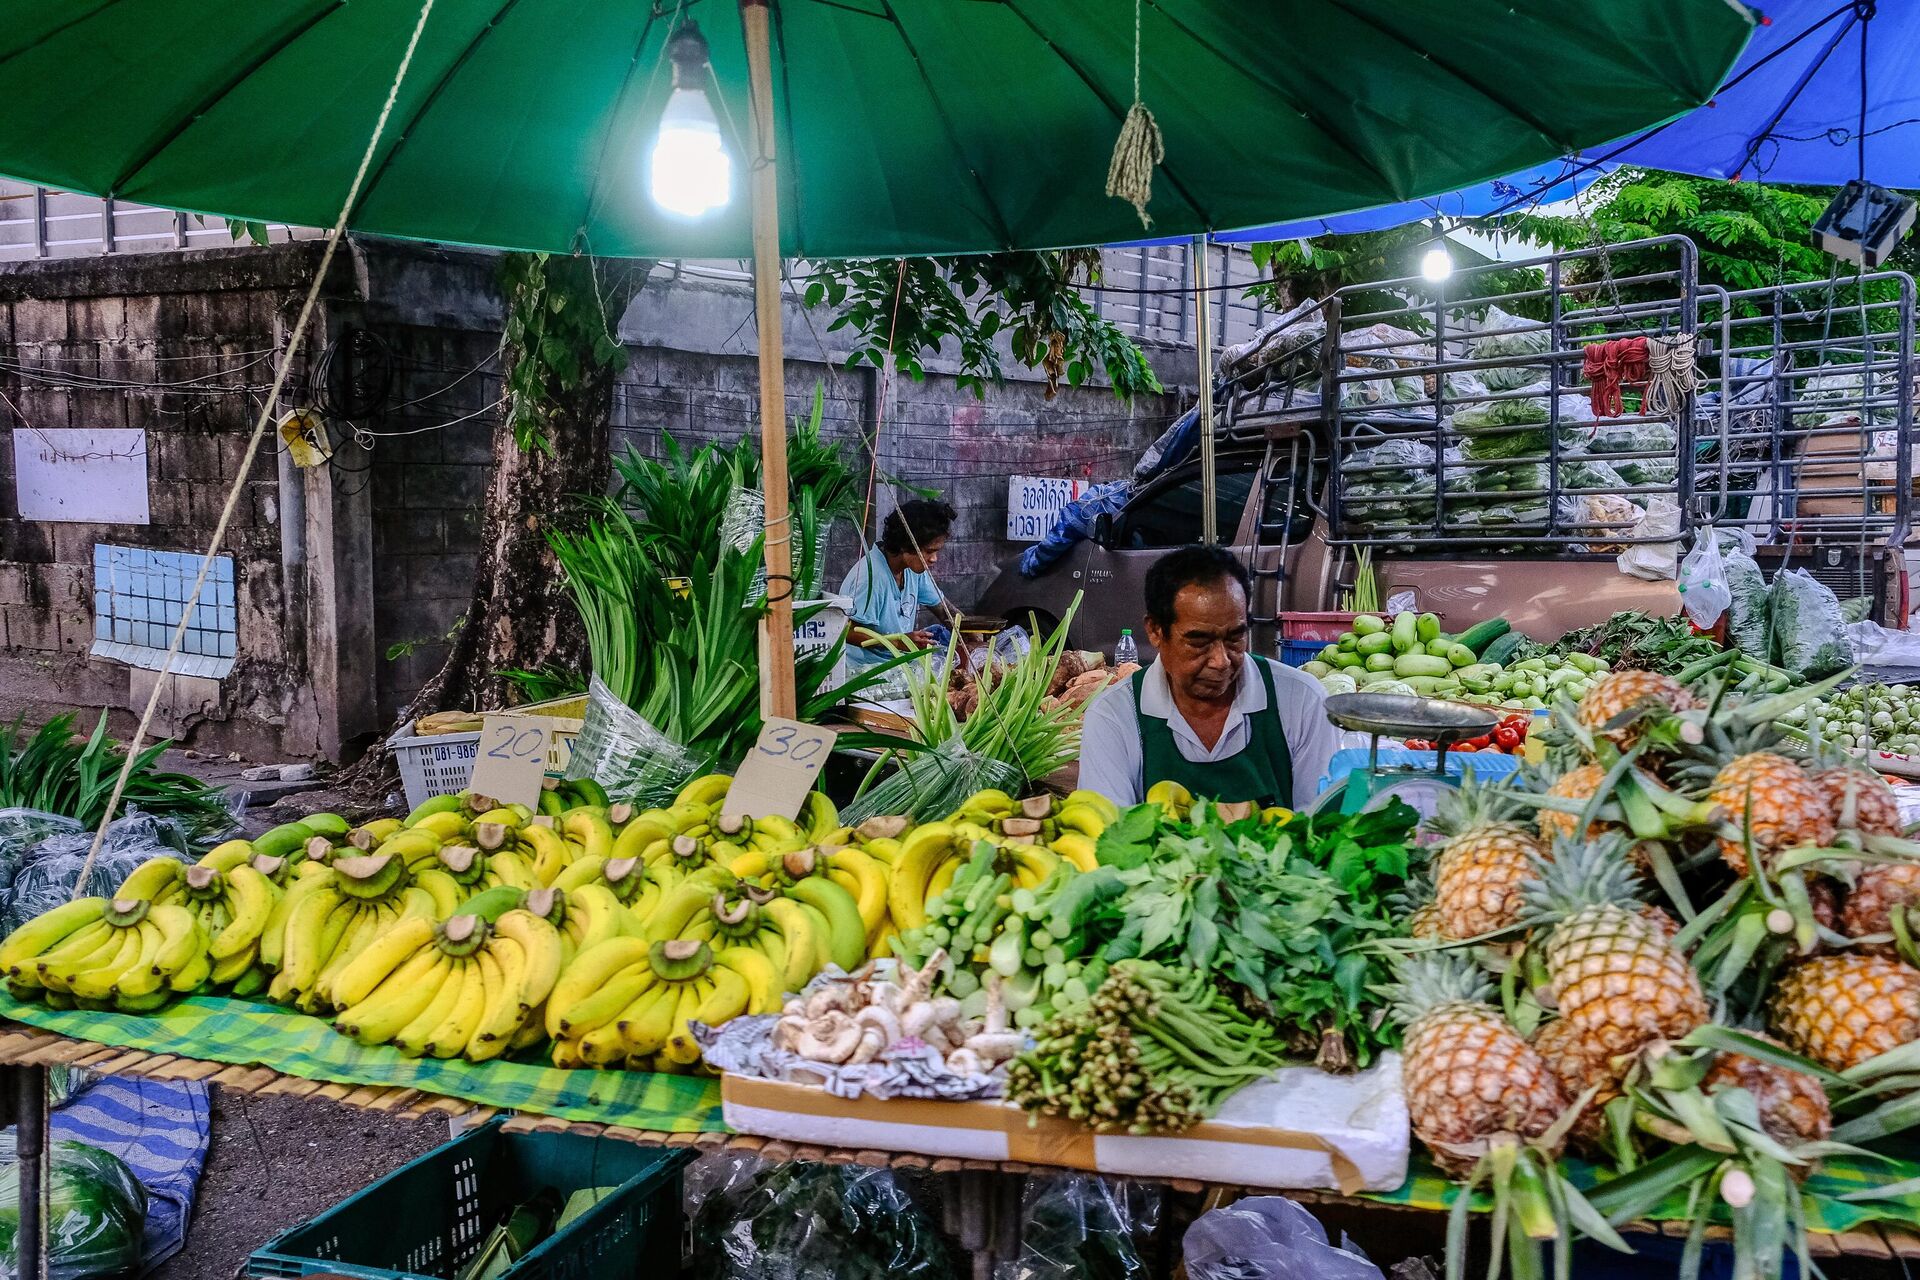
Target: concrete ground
[(276, 1162)]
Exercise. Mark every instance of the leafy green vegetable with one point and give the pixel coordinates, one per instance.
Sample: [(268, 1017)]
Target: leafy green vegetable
[(804, 1221), (1080, 1226), (1286, 916), (96, 1214), (54, 771)]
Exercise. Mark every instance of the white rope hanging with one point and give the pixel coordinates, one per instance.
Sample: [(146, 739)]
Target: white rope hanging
[(1139, 149), (267, 407), (1672, 374)]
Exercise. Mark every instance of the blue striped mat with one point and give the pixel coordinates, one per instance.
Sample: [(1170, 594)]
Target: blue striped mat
[(161, 1130)]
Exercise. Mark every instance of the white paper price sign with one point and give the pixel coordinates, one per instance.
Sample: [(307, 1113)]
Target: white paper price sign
[(513, 759), (774, 779)]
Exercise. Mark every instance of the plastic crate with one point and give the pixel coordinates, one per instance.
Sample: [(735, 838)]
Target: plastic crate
[(441, 764), (1298, 653), (1295, 625), (429, 1217)]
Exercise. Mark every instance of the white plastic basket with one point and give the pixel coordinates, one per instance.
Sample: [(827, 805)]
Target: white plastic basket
[(437, 765)]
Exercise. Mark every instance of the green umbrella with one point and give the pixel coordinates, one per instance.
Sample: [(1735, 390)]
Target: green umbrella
[(898, 126), (905, 126)]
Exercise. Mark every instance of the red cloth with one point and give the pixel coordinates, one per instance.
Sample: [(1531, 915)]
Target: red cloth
[(1610, 366)]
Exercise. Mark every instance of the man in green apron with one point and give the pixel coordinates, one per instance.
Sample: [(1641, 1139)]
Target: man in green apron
[(1207, 714)]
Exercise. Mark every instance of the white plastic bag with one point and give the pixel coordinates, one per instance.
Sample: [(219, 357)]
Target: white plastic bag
[(1270, 1237), (1704, 592), (1657, 554)]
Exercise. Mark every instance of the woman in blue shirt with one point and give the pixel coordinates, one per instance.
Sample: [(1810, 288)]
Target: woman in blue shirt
[(893, 581)]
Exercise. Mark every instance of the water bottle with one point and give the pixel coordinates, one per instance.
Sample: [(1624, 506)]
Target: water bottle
[(1126, 651)]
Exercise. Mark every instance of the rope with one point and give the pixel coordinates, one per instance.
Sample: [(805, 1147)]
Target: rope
[(1139, 148), (253, 447), (1672, 375)]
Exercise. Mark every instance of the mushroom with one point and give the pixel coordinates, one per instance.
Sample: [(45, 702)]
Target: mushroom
[(831, 1038), (965, 1062), (880, 1019), (831, 997), (872, 1041), (787, 1031)]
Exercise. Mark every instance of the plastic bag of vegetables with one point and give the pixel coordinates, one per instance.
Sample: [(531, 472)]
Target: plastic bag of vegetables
[(96, 1214), (1080, 1226), (1809, 631)]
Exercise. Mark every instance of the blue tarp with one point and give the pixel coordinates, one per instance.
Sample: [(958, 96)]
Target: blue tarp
[(160, 1129), (1074, 524)]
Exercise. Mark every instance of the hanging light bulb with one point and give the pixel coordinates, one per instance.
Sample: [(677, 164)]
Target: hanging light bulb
[(1437, 264), (689, 172)]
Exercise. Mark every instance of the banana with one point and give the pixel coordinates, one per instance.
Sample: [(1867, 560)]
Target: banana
[(437, 804), (414, 848), (1077, 849), (144, 977), (710, 791), (95, 980), (540, 942), (447, 895), (228, 855), (368, 835), (76, 946), (1081, 819), (273, 937), (846, 929), (804, 944), (754, 864), (184, 939), (396, 1002), (1032, 865), (645, 1023), (602, 916), (885, 848), (821, 820), (602, 1047), (450, 1038), (869, 884), (510, 868), (358, 979), (447, 981), (132, 967), (551, 853), (589, 971), (923, 851), (147, 880), (499, 1008), (147, 1003), (681, 1049), (604, 1006), (415, 901), (193, 977), (48, 929), (446, 827), (944, 876), (229, 971), (284, 840), (303, 950), (590, 829), (1109, 811), (52, 970), (253, 895), (764, 993)]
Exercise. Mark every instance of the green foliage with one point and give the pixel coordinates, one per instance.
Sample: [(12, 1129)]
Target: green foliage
[(1314, 268), (911, 307), (560, 336), (54, 771)]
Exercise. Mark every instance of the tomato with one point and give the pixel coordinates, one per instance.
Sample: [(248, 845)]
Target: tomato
[(1506, 737), (1417, 744)]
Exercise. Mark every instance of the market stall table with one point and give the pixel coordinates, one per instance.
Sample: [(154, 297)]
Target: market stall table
[(30, 1049)]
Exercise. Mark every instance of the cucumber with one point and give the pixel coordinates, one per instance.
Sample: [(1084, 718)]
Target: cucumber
[(1405, 633), (1348, 661), (1378, 642), (1317, 668), (1500, 648), (1383, 662), (1479, 672), (1481, 634), (1420, 664), (1367, 624), (1328, 654), (1427, 626), (1432, 686), (1459, 655), (1436, 648)]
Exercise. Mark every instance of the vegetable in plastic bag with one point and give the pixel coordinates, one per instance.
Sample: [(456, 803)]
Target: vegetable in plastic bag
[(1809, 631), (1080, 1226), (1268, 1238), (96, 1214), (802, 1221), (634, 761), (41, 856), (1704, 592), (1750, 608)]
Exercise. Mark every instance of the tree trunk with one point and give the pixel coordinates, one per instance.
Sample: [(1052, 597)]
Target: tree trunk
[(550, 444)]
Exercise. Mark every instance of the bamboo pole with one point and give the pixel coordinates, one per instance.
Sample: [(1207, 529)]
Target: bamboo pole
[(776, 632), (1203, 348)]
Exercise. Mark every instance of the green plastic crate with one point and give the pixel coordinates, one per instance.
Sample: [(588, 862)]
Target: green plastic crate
[(427, 1218)]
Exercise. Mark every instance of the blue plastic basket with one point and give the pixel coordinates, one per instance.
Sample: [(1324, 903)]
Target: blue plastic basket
[(1298, 653), (427, 1218)]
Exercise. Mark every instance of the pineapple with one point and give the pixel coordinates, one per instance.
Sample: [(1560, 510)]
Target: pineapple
[(1578, 785), (1859, 800), (1611, 972), (1563, 1047), (1617, 693), (1793, 1106), (1880, 889), (1776, 803), (1841, 1010), (1426, 923), (1479, 870), (1469, 1077)]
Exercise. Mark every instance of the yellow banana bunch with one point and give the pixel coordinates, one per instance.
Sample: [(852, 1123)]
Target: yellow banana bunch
[(633, 1003), (233, 909), (625, 878), (330, 920), (923, 853), (127, 954), (468, 987)]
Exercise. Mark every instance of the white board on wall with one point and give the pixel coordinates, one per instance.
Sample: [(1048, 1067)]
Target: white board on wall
[(87, 475)]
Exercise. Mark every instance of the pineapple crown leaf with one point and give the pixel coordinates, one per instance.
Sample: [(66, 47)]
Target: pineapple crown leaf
[(1581, 873), (1427, 980), (1473, 805)]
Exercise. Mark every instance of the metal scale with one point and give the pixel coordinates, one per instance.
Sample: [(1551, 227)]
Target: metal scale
[(1398, 715)]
